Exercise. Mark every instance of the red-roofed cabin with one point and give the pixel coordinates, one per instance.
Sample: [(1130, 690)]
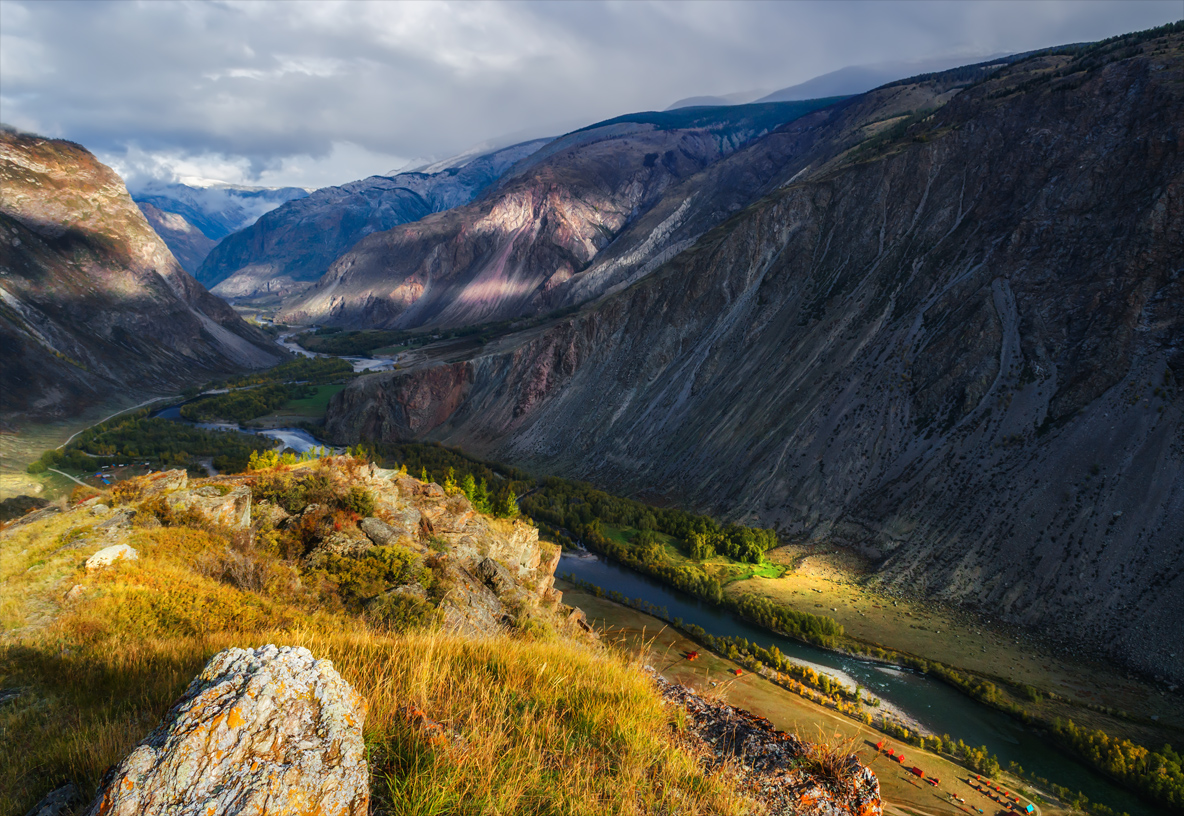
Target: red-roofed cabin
[(880, 745), (900, 759), (892, 752), (692, 655), (737, 672)]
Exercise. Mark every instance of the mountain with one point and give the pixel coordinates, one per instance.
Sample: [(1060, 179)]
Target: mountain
[(856, 79), (215, 208), (295, 244), (189, 245), (950, 339), (517, 249), (93, 302), (738, 98)]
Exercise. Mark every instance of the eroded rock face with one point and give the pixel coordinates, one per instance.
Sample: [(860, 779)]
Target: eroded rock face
[(271, 730), (94, 302), (232, 509)]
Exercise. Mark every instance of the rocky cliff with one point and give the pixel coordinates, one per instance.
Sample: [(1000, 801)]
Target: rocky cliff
[(951, 339), (515, 250), (93, 302), (189, 245), (287, 249)]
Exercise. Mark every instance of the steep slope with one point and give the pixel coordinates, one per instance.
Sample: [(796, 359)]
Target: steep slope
[(957, 347), (189, 245), (509, 253), (295, 244), (93, 302)]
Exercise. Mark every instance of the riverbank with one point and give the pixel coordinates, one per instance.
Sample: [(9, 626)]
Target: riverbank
[(713, 675), (940, 707), (826, 580)]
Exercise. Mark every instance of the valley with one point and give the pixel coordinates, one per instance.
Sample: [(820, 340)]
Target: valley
[(863, 414)]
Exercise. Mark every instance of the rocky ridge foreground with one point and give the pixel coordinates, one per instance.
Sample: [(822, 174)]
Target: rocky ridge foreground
[(787, 776), (955, 346), (92, 303), (274, 730)]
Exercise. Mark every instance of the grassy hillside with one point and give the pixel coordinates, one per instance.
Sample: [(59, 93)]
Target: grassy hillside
[(547, 722)]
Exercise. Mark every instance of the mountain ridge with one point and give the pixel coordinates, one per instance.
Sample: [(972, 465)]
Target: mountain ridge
[(93, 301), (958, 330)]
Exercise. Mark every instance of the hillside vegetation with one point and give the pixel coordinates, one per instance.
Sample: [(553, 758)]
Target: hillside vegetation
[(548, 720)]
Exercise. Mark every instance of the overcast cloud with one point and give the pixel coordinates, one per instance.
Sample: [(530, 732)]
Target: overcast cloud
[(316, 93)]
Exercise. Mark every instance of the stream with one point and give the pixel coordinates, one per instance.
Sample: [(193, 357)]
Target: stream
[(938, 707), (297, 439), (359, 363)]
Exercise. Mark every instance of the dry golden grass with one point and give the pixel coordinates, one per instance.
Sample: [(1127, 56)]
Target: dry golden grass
[(541, 726)]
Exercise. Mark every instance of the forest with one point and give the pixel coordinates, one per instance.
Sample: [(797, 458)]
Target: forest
[(161, 442)]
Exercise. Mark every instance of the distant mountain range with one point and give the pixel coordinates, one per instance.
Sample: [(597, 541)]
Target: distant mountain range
[(854, 79), (192, 218), (938, 322), (287, 249)]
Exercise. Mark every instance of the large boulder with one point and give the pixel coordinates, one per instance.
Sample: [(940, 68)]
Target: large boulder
[(165, 481), (229, 508), (271, 730), (109, 555)]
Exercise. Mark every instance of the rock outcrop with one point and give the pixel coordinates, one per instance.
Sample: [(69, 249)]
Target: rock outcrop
[(92, 303), (228, 507), (270, 730), (954, 345), (787, 776), (109, 555)]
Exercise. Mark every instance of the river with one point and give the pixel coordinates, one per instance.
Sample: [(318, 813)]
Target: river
[(359, 363), (297, 439), (935, 705)]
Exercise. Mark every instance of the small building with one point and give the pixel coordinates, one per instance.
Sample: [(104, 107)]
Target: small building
[(1029, 809), (918, 772)]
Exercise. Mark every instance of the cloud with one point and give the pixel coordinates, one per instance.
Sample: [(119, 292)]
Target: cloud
[(323, 92)]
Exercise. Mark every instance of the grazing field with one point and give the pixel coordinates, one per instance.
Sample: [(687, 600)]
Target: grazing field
[(828, 581), (24, 444), (306, 409), (901, 791), (719, 567)]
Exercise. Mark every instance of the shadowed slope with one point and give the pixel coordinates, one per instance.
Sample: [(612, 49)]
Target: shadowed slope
[(92, 300), (956, 347)]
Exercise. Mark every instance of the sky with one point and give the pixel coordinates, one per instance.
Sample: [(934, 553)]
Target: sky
[(317, 93)]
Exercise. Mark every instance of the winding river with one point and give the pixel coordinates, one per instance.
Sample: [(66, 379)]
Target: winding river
[(935, 705)]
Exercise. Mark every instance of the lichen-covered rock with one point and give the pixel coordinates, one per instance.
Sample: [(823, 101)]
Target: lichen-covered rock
[(469, 606), (265, 731), (383, 534), (336, 544), (165, 482), (230, 509), (109, 555)]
